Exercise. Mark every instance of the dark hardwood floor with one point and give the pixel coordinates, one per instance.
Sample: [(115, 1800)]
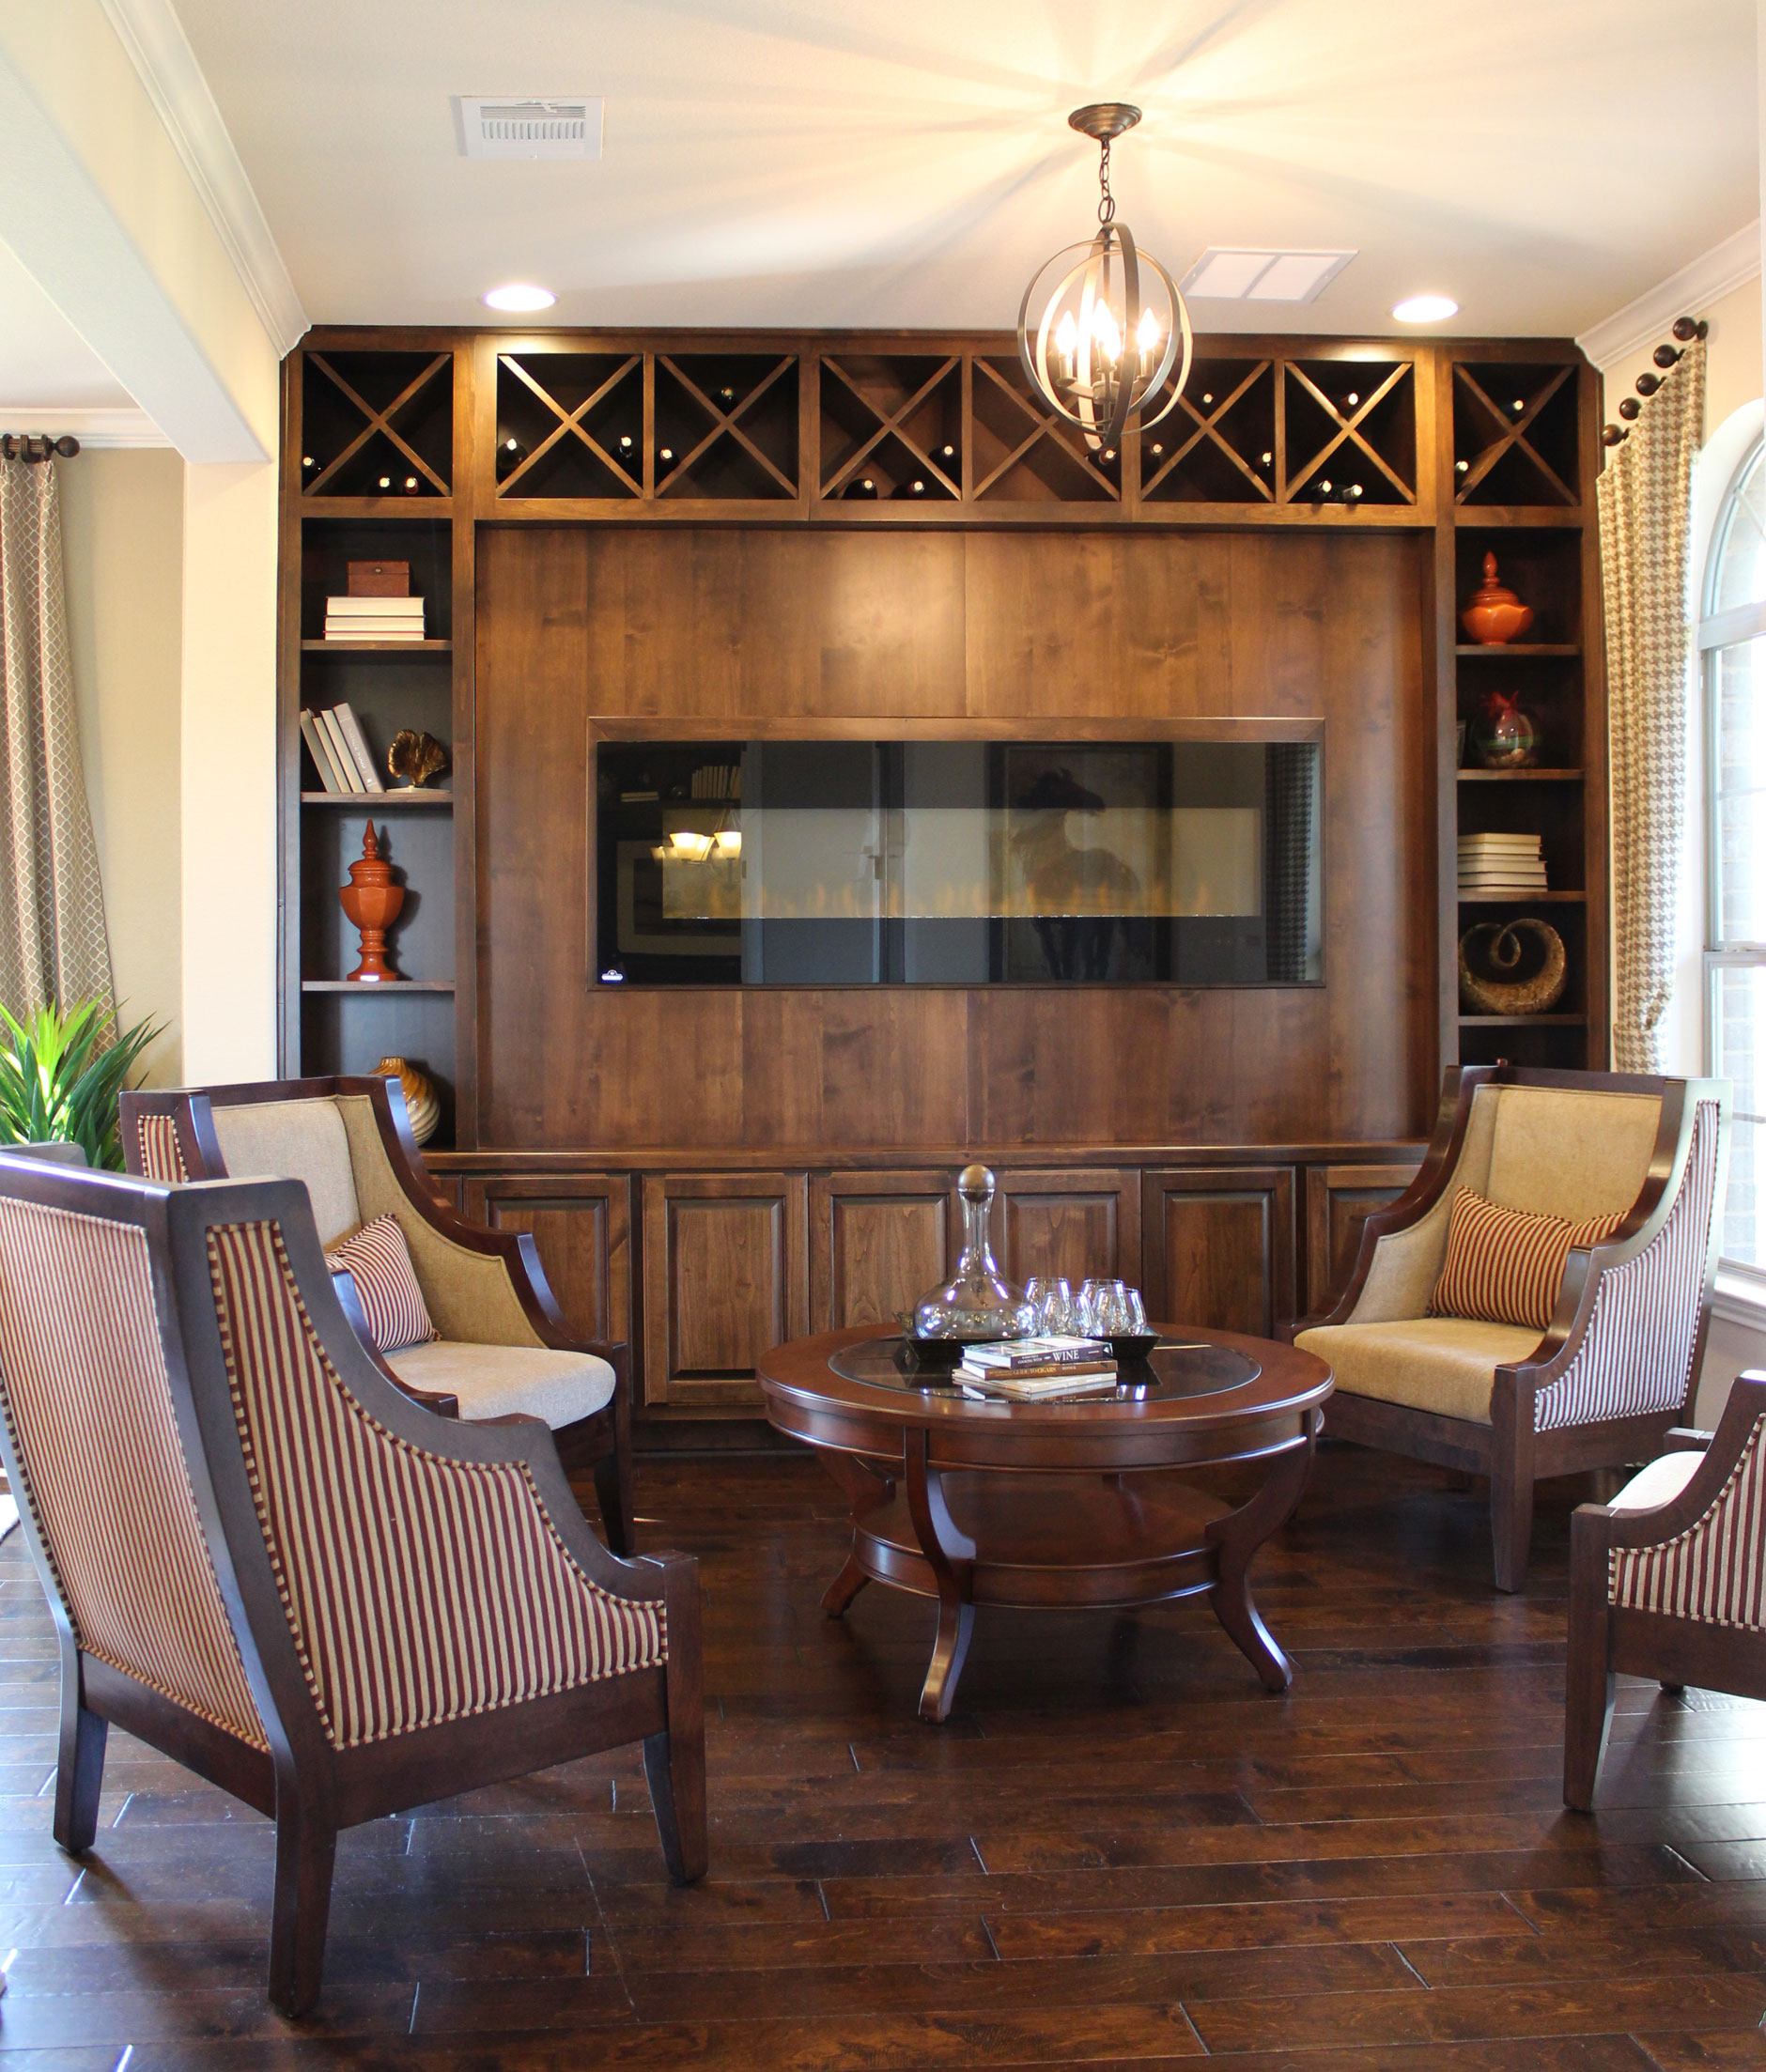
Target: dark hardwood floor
[(1119, 1851)]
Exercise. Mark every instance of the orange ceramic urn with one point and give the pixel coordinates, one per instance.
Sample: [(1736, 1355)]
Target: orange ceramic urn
[(372, 903), (1494, 615)]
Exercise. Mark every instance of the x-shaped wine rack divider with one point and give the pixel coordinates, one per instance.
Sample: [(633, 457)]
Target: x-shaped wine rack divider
[(1515, 431), (1046, 428), (570, 421), (888, 421), (1208, 427), (725, 421), (378, 421), (1347, 428)]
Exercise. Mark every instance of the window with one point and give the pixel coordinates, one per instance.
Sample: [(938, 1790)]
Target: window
[(1732, 644)]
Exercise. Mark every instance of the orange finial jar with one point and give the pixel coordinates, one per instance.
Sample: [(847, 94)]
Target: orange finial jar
[(1495, 615), (372, 903)]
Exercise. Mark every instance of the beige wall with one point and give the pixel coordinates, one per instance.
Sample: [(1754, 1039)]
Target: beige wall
[(230, 773), (122, 541)]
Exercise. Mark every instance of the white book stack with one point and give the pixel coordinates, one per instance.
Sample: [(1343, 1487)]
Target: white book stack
[(1493, 866), (374, 619)]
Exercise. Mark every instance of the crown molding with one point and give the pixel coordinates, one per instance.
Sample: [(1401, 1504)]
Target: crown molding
[(1695, 287), (160, 50), (99, 429)]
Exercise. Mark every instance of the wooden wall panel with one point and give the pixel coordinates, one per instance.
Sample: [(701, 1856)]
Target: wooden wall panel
[(1339, 1199), (1219, 1246), (1073, 1226), (725, 1276), (701, 626), (877, 1243), (582, 1229)]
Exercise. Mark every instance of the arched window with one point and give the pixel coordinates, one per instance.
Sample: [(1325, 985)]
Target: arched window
[(1732, 644)]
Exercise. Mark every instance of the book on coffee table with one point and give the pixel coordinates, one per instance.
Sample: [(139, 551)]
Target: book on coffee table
[(1034, 1356), (1031, 1388)]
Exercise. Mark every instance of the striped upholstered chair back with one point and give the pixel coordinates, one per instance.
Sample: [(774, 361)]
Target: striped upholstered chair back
[(108, 1477), (1668, 1581), (268, 1561)]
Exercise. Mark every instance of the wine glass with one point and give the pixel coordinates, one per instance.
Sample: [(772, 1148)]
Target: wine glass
[(1052, 1299), (1138, 1325), (1117, 1311), (1103, 1307)]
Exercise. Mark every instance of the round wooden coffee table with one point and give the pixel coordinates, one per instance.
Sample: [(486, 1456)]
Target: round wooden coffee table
[(1054, 1504)]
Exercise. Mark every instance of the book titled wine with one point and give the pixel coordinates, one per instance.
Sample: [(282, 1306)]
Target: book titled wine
[(1032, 1356)]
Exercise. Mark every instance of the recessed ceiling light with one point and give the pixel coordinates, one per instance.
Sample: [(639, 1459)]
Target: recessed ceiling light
[(519, 295), (1426, 309)]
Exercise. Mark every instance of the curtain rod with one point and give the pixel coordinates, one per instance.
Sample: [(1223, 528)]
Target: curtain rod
[(1685, 330), (37, 445)]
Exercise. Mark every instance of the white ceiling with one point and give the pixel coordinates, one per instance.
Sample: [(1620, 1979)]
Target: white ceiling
[(908, 161), (44, 363)]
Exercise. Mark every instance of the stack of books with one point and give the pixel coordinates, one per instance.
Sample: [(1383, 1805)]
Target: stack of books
[(340, 750), (374, 619), (1491, 866), (1028, 1370)]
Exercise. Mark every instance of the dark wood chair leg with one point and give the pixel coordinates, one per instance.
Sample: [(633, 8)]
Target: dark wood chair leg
[(306, 1850), (675, 1759), (676, 1771), (612, 1473), (613, 1491), (80, 1763), (1511, 1455), (1588, 1682)]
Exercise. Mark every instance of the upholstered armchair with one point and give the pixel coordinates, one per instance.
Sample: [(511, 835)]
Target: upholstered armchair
[(267, 1562), (1605, 1369), (1669, 1579), (503, 1347)]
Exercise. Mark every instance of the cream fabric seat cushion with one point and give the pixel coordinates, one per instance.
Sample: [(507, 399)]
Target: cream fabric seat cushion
[(1658, 1483), (506, 1380), (1445, 1365)]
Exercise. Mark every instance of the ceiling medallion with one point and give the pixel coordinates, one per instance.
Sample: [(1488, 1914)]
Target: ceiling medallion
[(1101, 342)]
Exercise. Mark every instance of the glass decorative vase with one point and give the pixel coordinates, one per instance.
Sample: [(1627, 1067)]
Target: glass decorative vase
[(980, 1302), (1504, 735)]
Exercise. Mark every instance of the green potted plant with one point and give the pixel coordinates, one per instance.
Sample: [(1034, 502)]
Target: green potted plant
[(59, 1079)]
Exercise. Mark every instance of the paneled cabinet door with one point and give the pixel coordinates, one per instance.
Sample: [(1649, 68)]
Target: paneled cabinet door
[(1074, 1224), (1219, 1246), (725, 1276), (1339, 1199), (582, 1229), (877, 1243)]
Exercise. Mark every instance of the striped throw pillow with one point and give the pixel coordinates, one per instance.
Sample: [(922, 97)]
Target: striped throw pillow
[(1504, 1266), (377, 1260)]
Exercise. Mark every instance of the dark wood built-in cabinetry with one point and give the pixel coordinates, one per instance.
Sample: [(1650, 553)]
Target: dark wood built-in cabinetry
[(688, 535)]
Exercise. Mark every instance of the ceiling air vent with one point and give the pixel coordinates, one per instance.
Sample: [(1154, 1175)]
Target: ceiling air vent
[(567, 128), (1265, 276)]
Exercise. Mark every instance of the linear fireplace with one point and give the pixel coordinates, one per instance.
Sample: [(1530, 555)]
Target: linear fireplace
[(958, 862)]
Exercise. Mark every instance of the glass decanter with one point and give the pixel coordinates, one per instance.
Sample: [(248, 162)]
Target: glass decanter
[(980, 1303)]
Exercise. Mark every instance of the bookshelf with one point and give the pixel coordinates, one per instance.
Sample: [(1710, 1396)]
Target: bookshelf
[(374, 436), (1520, 424)]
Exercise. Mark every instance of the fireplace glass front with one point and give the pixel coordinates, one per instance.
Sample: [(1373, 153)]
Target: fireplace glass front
[(958, 862)]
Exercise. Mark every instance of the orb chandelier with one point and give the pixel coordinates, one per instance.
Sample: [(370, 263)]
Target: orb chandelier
[(1102, 325)]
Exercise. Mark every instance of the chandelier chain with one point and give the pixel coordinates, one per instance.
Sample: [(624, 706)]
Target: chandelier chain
[(1107, 201)]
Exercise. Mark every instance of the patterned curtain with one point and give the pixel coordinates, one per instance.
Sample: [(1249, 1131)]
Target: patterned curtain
[(1646, 498), (53, 943)]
